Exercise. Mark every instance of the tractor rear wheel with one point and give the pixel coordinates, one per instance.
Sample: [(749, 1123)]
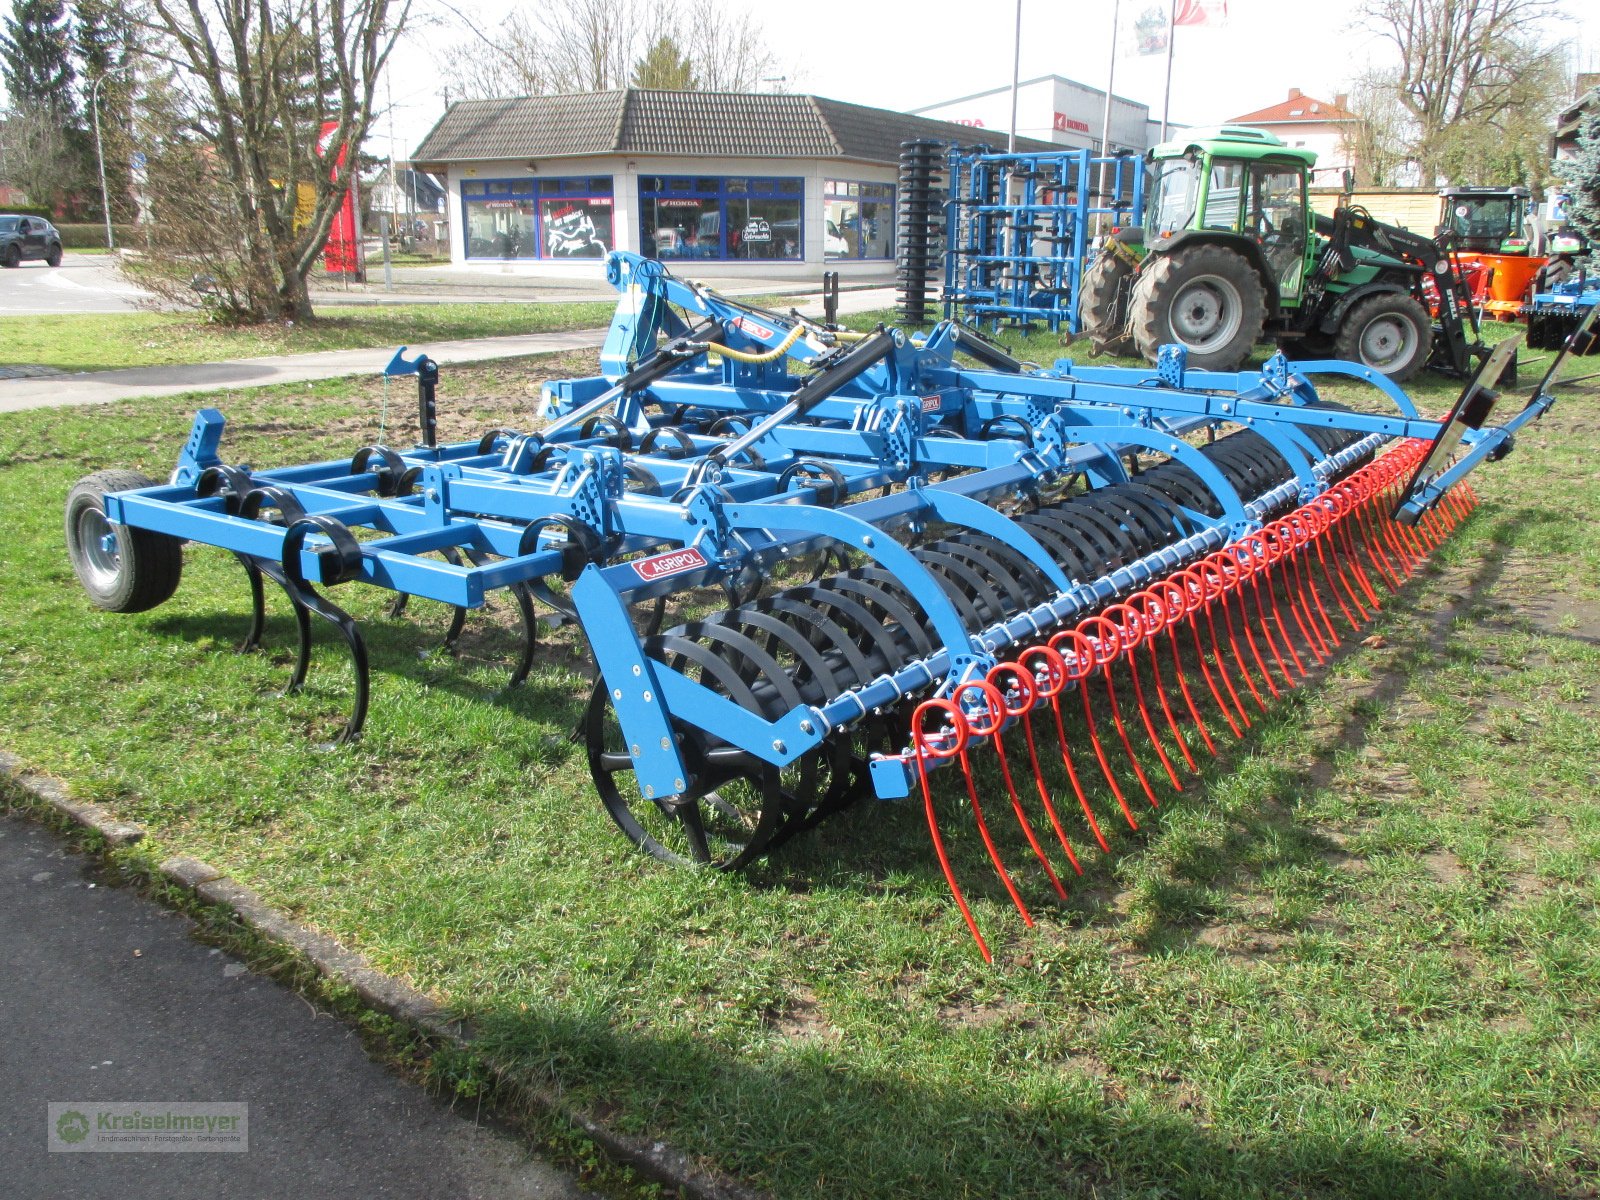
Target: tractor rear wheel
[(1389, 332), (1206, 299), (123, 569), (1103, 305)]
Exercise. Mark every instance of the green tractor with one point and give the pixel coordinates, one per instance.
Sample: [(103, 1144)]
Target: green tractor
[(1231, 253)]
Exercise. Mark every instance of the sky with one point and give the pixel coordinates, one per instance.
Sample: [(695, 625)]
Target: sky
[(901, 55)]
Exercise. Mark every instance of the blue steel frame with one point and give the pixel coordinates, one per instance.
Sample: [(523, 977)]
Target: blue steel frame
[(886, 411)]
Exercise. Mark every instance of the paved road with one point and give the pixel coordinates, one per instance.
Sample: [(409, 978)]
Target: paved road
[(99, 387), (83, 283), (104, 996)]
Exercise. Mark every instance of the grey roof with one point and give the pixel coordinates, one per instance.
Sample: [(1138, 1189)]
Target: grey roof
[(708, 124)]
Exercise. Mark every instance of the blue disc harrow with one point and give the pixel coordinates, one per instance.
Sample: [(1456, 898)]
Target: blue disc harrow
[(813, 565)]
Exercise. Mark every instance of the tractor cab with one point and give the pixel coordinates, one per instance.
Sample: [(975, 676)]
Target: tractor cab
[(1235, 182), (1488, 220)]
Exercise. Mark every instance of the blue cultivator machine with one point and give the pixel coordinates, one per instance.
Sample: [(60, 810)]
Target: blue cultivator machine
[(1018, 230), (1552, 316), (879, 552)]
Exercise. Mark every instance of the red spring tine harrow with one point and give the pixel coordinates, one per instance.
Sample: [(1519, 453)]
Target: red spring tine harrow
[(1260, 613)]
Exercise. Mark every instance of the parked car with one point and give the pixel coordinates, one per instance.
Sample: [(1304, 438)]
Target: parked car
[(28, 237)]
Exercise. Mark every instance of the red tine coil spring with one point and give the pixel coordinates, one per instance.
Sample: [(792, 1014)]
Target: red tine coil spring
[(1085, 660), (1050, 680), (1011, 680), (990, 721)]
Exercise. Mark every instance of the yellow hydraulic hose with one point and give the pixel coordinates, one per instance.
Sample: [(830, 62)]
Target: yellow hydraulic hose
[(767, 356)]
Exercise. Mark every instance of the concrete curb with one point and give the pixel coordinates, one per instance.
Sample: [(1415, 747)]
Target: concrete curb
[(654, 1160)]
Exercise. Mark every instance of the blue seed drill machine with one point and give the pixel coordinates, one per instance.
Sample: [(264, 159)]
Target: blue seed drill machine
[(877, 552)]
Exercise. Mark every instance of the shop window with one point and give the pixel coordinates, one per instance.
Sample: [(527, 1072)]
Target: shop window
[(721, 218), (509, 219), (859, 219)]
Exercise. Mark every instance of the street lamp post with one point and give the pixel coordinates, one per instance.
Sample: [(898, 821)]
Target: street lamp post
[(99, 154)]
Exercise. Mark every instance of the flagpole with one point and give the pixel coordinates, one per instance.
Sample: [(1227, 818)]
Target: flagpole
[(1105, 124), (1166, 95), (1016, 76)]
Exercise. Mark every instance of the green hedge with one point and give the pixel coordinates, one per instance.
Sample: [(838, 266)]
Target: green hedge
[(93, 237), (28, 210)]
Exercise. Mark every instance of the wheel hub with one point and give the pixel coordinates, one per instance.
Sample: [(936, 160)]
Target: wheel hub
[(1385, 342), (1206, 313)]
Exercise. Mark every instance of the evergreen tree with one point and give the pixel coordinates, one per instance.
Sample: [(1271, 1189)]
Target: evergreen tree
[(1580, 178), (105, 38), (665, 67), (36, 62)]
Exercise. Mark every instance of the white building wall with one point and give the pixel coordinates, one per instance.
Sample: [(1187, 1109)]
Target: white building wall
[(1328, 142), (625, 172), (1072, 115)]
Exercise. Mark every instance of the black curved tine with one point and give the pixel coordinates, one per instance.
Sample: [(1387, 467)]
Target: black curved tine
[(524, 602), (346, 625), (258, 606), (458, 618), (302, 619)]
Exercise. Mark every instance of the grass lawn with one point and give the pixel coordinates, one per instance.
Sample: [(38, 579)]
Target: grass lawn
[(103, 341), (1357, 957)]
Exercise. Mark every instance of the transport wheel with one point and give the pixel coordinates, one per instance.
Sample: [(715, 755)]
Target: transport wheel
[(1389, 332), (12, 256), (53, 259), (1206, 299), (122, 569), (1103, 305)]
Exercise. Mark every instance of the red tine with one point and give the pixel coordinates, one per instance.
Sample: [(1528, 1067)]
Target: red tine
[(1175, 603), (1278, 540), (1021, 686), (1200, 599), (1131, 625), (1152, 610), (1251, 548), (1261, 548), (994, 714), (1227, 573), (1108, 646), (1242, 562), (943, 745), (1084, 662), (1050, 680), (1213, 584)]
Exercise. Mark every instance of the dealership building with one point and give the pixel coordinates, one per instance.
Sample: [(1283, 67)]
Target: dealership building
[(786, 183), (1070, 114)]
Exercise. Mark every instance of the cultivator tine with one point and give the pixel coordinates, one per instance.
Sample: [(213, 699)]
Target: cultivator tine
[(1050, 681), (1013, 682), (1107, 643), (258, 605), (1130, 628), (991, 718), (949, 741), (1174, 598), (1085, 661)]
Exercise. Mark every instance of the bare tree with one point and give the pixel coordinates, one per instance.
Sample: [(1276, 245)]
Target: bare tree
[(263, 77), (1460, 61), (594, 45)]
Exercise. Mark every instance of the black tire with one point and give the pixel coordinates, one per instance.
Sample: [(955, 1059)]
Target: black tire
[(1103, 305), (139, 569), (12, 256), (1389, 332), (1206, 299), (53, 258)]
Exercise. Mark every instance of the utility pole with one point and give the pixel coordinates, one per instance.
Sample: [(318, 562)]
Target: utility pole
[(99, 153), (1016, 78)]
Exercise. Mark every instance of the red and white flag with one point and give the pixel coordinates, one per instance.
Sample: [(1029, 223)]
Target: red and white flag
[(1200, 12)]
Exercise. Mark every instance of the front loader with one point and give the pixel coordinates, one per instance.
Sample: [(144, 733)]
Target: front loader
[(1231, 254)]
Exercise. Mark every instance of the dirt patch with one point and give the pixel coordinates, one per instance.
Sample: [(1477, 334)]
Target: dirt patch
[(1445, 868)]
